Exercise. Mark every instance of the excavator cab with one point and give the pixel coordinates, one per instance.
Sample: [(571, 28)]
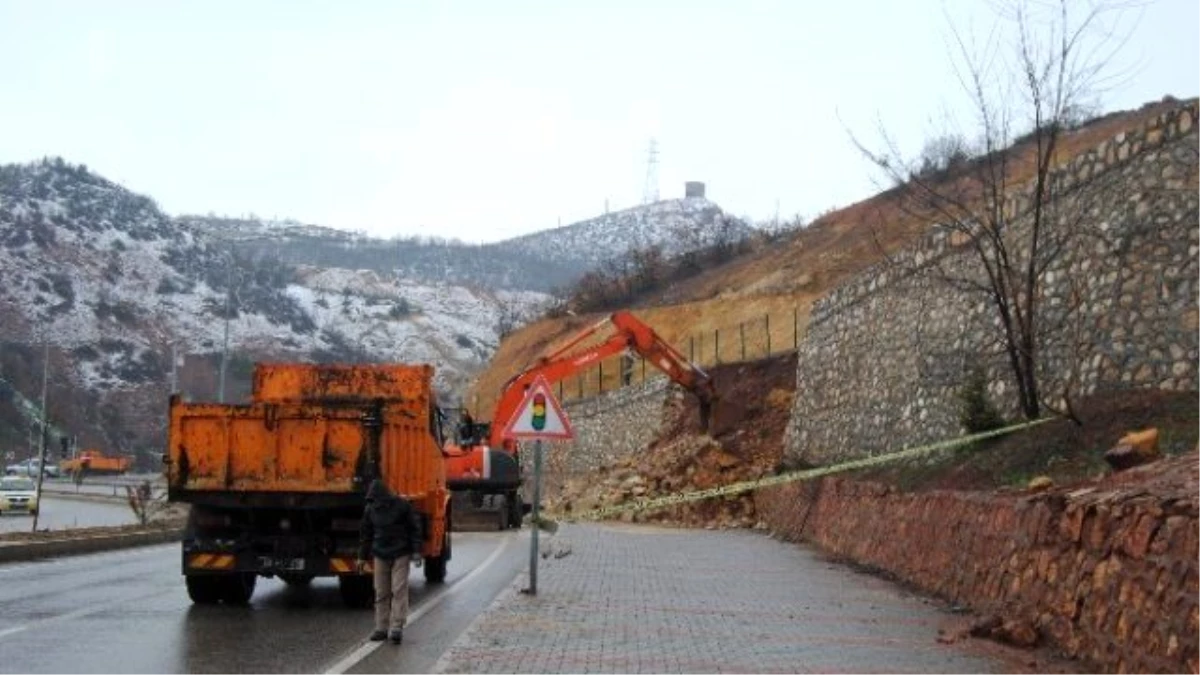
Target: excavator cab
[(462, 429), (485, 482)]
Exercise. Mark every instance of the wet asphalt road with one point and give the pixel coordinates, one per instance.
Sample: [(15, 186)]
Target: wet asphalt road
[(60, 513), (128, 612)]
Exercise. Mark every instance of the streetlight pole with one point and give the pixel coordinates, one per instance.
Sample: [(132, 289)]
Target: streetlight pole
[(42, 452), (174, 370)]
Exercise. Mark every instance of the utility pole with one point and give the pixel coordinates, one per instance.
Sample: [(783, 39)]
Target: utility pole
[(650, 189), (42, 452), (225, 344)]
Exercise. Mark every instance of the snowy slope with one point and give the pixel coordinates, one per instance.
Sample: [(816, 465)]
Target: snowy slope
[(114, 284), (542, 261), (677, 225)]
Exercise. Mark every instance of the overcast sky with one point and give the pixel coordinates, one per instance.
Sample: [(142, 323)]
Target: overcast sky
[(483, 120)]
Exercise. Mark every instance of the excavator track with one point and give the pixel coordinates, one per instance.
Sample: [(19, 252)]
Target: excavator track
[(478, 512)]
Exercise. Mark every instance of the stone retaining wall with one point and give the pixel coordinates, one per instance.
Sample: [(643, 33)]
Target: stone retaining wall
[(607, 427), (886, 355), (1108, 574)]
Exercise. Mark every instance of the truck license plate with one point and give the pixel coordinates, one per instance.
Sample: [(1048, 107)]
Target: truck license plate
[(288, 564)]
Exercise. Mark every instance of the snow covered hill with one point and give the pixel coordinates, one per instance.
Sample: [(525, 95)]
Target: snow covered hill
[(115, 285), (543, 261), (677, 225)]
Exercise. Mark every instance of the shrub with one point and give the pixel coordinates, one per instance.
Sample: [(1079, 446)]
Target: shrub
[(401, 309), (976, 412)]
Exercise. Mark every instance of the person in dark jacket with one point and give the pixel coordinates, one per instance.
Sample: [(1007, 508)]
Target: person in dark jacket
[(391, 534)]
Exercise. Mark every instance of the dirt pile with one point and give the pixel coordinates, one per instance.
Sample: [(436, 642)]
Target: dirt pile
[(744, 441)]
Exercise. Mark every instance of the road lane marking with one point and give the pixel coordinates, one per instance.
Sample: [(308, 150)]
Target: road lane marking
[(77, 614), (367, 648), (443, 661)]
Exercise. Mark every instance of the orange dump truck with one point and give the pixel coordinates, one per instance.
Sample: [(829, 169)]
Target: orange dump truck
[(277, 486), (95, 462)]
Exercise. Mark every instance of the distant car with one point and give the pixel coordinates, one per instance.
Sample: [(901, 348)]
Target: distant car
[(29, 468), (18, 495)]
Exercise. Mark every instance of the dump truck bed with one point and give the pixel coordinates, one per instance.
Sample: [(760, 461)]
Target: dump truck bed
[(310, 430), (304, 448), (299, 382)]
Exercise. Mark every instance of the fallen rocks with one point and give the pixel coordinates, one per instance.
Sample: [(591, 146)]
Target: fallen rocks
[(1016, 632), (743, 442), (673, 466), (1134, 449), (1040, 484)]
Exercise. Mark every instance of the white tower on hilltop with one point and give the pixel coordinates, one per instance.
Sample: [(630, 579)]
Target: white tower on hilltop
[(650, 191)]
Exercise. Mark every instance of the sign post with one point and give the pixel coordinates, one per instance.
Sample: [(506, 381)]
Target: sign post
[(540, 417), (537, 501)]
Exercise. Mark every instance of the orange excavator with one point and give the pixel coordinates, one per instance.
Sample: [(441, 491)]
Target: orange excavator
[(483, 469)]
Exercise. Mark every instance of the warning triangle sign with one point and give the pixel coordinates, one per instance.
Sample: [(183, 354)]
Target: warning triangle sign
[(540, 416)]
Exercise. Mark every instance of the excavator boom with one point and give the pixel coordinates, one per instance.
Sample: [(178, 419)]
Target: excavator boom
[(632, 335), (485, 473)]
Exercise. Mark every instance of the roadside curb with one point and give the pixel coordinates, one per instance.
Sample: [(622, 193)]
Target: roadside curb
[(86, 497), (31, 550)]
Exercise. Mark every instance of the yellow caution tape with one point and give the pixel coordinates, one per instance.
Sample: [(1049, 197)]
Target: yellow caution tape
[(793, 476)]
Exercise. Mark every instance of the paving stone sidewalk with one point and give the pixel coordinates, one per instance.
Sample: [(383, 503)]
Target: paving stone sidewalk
[(632, 599)]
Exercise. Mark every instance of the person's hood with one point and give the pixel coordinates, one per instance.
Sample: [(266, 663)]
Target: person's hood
[(377, 490), (379, 495)]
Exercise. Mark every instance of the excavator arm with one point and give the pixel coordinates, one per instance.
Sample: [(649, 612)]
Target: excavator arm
[(485, 478), (632, 335)]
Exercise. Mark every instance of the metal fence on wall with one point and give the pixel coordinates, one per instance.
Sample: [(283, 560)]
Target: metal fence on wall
[(757, 338)]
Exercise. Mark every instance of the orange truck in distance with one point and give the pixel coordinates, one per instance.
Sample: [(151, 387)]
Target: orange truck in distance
[(95, 462), (277, 486)]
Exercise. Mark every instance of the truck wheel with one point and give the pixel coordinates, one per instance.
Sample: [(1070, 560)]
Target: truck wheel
[(435, 568), (236, 589), (515, 513), (502, 513), (358, 592), (204, 589), (296, 580)]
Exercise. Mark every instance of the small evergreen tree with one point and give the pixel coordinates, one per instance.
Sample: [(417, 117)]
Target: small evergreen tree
[(976, 411)]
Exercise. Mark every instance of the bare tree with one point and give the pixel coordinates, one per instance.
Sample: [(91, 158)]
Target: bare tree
[(1054, 66), (508, 316)]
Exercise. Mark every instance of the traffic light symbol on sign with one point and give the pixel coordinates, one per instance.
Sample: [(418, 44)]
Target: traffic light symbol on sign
[(538, 422)]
